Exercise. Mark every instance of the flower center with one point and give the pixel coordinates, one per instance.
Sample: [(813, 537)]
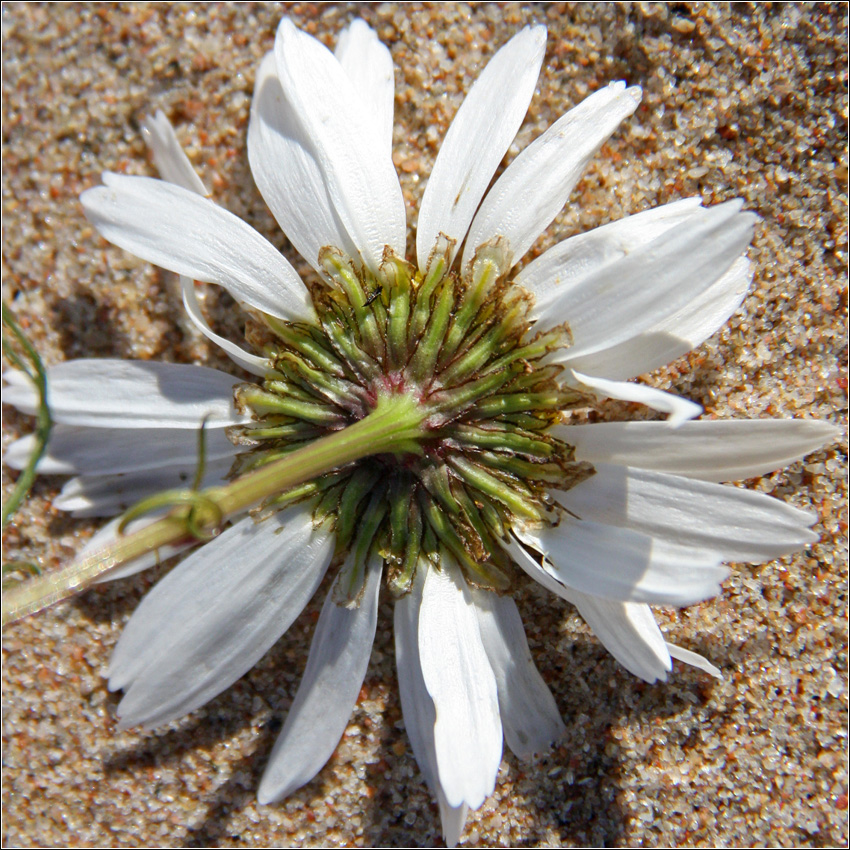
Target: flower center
[(455, 353)]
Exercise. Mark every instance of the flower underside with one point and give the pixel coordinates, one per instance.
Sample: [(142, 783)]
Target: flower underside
[(454, 357)]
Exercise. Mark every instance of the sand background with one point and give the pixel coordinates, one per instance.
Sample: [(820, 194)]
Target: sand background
[(740, 101)]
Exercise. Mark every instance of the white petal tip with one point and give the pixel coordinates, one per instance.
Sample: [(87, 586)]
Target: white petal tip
[(825, 431), (541, 751), (712, 671), (17, 456), (360, 24), (452, 821), (113, 178), (808, 536), (149, 122), (270, 792), (266, 797), (115, 680), (684, 411), (732, 207), (286, 27), (72, 503), (694, 659), (678, 410), (635, 93), (539, 32)]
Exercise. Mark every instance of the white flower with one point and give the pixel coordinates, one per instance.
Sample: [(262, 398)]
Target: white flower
[(651, 526)]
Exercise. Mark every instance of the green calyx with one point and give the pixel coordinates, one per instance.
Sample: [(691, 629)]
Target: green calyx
[(440, 401)]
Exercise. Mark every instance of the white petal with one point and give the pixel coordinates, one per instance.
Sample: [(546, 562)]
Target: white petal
[(336, 667), (107, 535), (94, 451), (536, 185), (416, 703), (623, 565), (350, 151), (284, 166), (369, 66), (570, 262), (711, 450), (132, 394), (174, 167), (249, 362), (18, 455), (709, 311), (452, 819), (171, 161), (107, 495), (478, 138), (627, 629), (676, 335), (738, 524), (694, 659), (678, 410), (417, 706), (216, 614), (628, 297), (180, 231), (530, 717), (629, 632), (20, 382), (574, 260), (457, 674)]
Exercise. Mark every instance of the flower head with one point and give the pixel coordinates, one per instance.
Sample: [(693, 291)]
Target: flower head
[(470, 378)]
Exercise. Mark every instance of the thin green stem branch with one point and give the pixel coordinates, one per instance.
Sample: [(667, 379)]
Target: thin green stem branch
[(36, 372)]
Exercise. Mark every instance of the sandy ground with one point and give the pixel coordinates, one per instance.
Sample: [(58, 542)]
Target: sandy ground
[(739, 101)]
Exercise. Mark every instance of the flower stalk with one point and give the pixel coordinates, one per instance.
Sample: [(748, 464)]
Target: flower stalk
[(394, 426)]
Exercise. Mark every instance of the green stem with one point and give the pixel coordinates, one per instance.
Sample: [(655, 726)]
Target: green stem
[(395, 425), (37, 374)]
